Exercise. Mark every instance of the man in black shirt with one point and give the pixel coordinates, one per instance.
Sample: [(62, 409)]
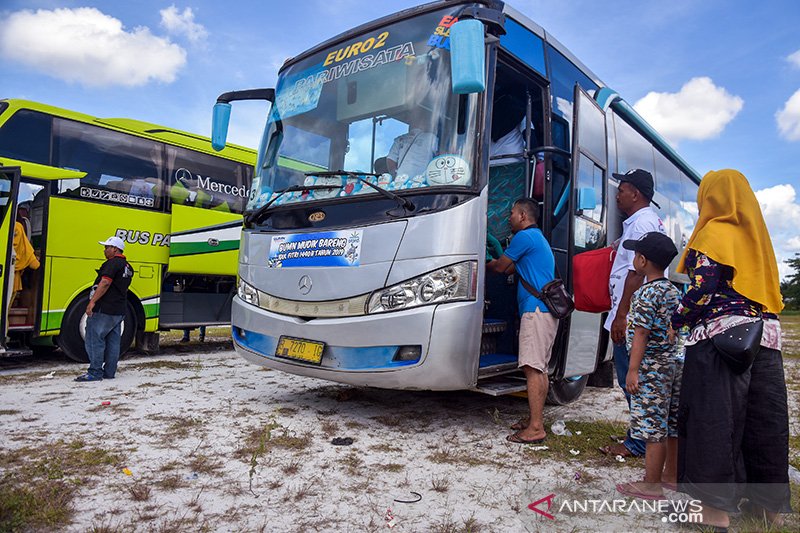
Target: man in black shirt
[(106, 311)]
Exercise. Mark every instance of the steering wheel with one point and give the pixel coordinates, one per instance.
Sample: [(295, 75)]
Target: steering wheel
[(493, 247)]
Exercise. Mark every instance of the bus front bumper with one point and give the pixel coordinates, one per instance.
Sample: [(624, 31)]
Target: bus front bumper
[(363, 350)]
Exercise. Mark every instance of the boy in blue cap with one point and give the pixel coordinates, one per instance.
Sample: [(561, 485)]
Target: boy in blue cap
[(654, 372)]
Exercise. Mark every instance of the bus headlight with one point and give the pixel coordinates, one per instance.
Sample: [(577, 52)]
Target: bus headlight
[(449, 284), (247, 292)]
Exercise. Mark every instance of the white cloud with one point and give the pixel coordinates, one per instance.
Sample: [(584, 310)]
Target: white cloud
[(789, 118), (699, 111), (86, 46), (182, 23), (794, 59), (782, 215)]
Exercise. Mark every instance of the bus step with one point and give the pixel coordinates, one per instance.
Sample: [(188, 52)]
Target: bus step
[(501, 385), (494, 364), (493, 326)]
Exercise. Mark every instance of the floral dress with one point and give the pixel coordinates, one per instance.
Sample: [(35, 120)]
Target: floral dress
[(711, 305)]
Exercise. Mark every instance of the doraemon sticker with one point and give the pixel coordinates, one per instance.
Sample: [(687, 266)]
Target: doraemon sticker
[(448, 170), (329, 248)]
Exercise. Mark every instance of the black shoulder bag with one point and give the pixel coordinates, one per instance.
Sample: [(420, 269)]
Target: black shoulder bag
[(739, 345), (554, 295)]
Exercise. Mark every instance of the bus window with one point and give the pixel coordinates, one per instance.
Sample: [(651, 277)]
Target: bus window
[(116, 165), (202, 180), (26, 136), (633, 151), (591, 176)]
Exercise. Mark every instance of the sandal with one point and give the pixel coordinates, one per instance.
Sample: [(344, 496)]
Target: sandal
[(518, 439), (629, 489), (616, 449)]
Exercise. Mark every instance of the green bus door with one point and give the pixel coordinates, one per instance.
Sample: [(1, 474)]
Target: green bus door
[(9, 183)]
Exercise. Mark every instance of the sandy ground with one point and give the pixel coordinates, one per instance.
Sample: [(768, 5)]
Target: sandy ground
[(213, 443)]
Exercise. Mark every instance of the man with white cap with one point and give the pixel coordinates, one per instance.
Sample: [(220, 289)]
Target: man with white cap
[(106, 311)]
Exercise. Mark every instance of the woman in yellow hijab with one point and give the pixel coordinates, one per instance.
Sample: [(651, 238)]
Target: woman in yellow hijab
[(733, 428)]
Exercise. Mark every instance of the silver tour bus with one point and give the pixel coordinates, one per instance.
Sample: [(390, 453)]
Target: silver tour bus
[(362, 259)]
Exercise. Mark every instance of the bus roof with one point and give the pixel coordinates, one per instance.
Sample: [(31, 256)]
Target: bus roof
[(136, 127)]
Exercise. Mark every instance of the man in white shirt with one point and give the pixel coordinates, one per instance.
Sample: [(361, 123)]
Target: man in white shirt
[(411, 152), (634, 196)]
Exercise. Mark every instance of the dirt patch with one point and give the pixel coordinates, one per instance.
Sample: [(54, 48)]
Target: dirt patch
[(205, 441)]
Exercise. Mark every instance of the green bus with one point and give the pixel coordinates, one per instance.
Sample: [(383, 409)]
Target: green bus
[(71, 180)]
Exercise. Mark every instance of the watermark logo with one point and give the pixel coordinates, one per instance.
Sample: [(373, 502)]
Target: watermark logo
[(535, 506), (672, 511)]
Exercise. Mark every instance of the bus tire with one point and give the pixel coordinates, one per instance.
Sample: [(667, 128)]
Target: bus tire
[(566, 391), (73, 328)]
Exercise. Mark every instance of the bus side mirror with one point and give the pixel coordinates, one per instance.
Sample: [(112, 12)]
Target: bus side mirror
[(219, 125), (586, 199), (468, 57)]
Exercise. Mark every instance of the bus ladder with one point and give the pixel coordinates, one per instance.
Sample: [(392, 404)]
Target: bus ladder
[(498, 373)]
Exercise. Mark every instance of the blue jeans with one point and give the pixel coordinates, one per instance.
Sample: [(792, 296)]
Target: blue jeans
[(621, 364), (103, 336)]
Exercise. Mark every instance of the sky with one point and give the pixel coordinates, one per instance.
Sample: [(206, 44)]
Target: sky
[(720, 79)]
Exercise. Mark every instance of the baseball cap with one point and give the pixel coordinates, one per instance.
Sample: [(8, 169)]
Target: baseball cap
[(655, 246), (642, 180), (116, 242)]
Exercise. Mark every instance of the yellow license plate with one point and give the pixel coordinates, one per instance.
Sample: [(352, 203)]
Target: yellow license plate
[(300, 349)]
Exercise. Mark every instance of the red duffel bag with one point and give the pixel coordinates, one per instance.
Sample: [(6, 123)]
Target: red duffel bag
[(590, 274)]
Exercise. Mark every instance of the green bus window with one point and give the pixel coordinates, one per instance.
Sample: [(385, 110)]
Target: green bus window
[(203, 180), (121, 169), (26, 136)]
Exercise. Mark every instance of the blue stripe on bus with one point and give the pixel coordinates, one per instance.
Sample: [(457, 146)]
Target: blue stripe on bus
[(334, 357)]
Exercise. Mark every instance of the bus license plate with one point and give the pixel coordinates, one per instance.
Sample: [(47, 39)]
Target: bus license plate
[(300, 349)]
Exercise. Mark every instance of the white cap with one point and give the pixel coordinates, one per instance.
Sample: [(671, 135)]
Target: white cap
[(116, 242)]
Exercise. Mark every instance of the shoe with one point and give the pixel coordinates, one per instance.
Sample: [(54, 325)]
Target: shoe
[(516, 438), (87, 377), (670, 486), (107, 377), (185, 339)]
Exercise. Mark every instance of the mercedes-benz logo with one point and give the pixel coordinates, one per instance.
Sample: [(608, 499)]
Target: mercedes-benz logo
[(304, 285), (184, 176)]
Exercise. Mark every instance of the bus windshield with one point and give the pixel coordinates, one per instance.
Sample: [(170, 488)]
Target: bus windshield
[(379, 105)]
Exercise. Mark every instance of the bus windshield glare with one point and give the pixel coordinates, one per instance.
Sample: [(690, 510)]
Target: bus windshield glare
[(379, 105)]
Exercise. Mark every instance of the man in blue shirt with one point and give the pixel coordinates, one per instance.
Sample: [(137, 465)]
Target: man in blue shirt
[(530, 256)]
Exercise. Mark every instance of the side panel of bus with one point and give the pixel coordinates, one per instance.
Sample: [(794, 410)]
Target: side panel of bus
[(75, 229)]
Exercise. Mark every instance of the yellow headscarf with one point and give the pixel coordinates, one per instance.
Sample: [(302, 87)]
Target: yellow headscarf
[(731, 231)]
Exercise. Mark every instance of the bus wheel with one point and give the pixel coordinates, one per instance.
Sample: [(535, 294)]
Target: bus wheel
[(566, 390), (73, 330)]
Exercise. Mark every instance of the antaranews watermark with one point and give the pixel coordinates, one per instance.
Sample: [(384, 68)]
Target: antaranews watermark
[(672, 511)]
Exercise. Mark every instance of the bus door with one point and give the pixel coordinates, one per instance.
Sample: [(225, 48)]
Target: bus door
[(9, 184), (585, 205)]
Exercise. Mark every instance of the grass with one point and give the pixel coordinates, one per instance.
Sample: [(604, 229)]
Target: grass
[(593, 435), (8, 412), (37, 489)]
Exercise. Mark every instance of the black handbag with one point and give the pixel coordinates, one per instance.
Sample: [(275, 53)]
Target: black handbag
[(739, 345), (554, 295)]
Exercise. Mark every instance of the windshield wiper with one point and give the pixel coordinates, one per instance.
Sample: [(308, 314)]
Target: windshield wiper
[(405, 203), (256, 215)]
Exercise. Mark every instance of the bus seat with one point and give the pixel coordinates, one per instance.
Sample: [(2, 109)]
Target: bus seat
[(203, 199), (506, 185), (178, 193), (222, 207)]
